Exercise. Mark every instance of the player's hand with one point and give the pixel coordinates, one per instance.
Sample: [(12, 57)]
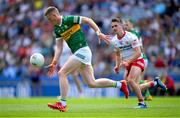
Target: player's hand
[(104, 37), (124, 63), (116, 69), (52, 68)]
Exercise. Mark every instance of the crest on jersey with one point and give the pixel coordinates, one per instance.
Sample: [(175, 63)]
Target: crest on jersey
[(121, 43), (65, 26), (135, 42)]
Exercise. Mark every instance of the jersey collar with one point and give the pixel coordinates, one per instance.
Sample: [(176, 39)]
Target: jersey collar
[(120, 37), (60, 21)]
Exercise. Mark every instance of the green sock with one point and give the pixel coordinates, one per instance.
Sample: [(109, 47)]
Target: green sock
[(147, 93), (141, 82)]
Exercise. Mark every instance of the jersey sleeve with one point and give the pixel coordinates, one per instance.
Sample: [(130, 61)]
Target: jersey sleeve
[(74, 19), (58, 39), (56, 35), (135, 42)]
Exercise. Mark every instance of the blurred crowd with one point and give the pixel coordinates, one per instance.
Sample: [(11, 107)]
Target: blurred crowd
[(24, 30)]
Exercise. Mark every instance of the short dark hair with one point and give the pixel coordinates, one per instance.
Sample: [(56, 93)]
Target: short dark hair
[(51, 9), (116, 20)]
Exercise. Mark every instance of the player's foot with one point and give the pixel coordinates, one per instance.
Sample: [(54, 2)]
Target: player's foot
[(160, 84), (141, 106), (124, 89), (57, 106), (148, 98)]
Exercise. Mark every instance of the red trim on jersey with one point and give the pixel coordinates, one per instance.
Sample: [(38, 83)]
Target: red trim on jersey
[(120, 37)]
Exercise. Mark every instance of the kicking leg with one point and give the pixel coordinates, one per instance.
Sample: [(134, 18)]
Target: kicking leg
[(71, 65), (88, 76)]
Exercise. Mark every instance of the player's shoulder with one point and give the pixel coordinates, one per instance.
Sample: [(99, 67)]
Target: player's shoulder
[(131, 35), (66, 17), (128, 33), (113, 37), (56, 28), (69, 16)]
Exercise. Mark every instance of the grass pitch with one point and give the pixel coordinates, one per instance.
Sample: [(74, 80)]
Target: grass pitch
[(92, 107)]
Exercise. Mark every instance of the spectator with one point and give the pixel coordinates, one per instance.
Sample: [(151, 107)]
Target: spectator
[(24, 31)]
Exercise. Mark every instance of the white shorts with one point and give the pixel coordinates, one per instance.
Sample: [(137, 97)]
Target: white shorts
[(145, 62), (84, 55)]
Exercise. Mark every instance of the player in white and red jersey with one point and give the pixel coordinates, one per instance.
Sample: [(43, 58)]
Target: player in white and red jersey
[(128, 55), (128, 25), (144, 85)]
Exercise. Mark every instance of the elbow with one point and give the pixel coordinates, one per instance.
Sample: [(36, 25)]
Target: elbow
[(87, 20), (138, 54)]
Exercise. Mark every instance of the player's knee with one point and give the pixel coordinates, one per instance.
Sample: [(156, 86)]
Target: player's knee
[(130, 81), (132, 76), (75, 74), (61, 73), (91, 85)]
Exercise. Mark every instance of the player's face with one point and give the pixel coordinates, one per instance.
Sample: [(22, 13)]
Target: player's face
[(53, 18), (127, 25), (116, 27)]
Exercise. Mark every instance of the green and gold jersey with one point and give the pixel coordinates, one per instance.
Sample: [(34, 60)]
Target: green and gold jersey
[(70, 31), (135, 32), (139, 37)]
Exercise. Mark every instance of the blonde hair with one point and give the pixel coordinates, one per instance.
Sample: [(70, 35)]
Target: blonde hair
[(50, 10)]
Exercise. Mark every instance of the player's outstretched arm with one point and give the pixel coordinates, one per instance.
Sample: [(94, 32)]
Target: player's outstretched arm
[(93, 25), (58, 51)]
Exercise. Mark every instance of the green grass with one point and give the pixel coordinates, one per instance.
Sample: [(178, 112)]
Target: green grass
[(94, 107)]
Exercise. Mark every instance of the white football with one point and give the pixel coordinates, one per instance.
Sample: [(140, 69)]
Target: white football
[(37, 60)]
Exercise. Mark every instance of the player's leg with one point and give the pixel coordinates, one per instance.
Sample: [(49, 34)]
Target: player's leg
[(133, 75), (88, 75), (77, 81), (71, 65), (156, 82), (144, 89), (126, 74), (140, 81)]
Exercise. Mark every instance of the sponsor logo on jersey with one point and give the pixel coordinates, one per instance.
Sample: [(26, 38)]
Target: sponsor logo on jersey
[(135, 42), (65, 26), (67, 34), (126, 47), (80, 56)]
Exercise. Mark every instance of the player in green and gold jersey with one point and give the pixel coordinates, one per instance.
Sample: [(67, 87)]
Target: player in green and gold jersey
[(68, 28)]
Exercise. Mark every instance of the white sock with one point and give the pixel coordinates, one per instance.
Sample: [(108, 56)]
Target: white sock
[(142, 102), (118, 84), (155, 83), (63, 102)]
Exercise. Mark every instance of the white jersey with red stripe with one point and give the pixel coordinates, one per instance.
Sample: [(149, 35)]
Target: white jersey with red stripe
[(125, 44)]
